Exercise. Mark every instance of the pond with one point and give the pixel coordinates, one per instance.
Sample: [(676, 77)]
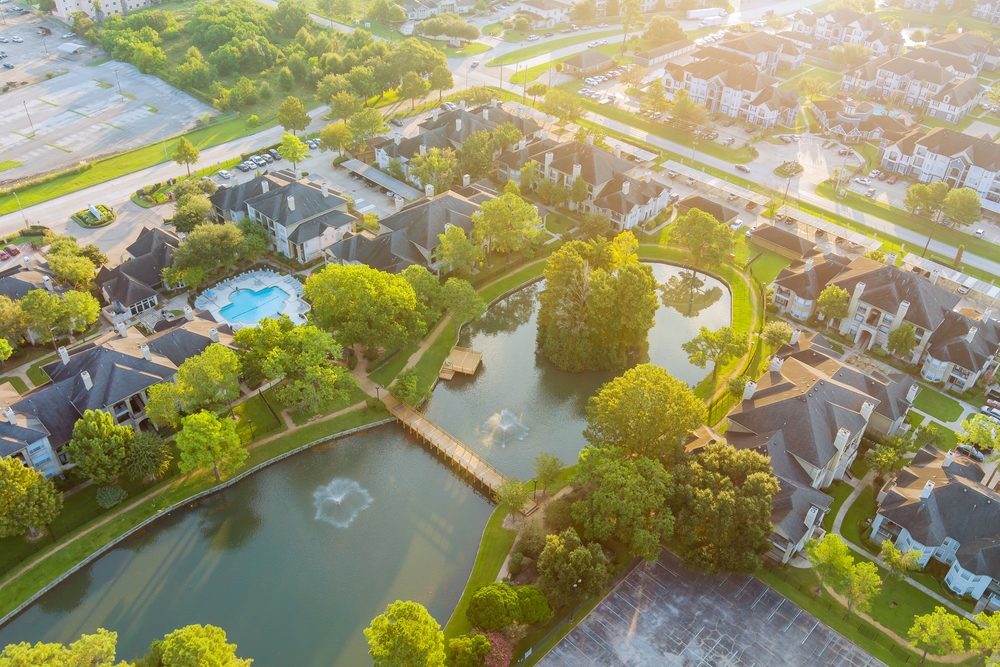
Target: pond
[(296, 560)]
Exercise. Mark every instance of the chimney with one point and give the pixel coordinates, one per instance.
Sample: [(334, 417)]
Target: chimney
[(590, 139), (577, 168), (987, 315), (213, 334), (188, 313), (811, 515), (843, 435), (397, 139), (897, 320), (423, 149), (522, 144), (749, 389), (486, 114), (458, 125), (948, 458), (48, 283), (265, 186), (122, 329), (795, 336), (618, 150), (890, 258), (429, 190), (399, 204), (928, 487), (63, 354), (934, 276), (88, 384), (809, 265), (325, 189), (493, 103), (626, 186), (859, 289), (8, 413), (27, 263), (291, 203), (466, 180), (866, 410), (911, 393), (548, 164), (776, 364), (972, 334), (146, 354), (434, 115), (298, 174), (462, 104)]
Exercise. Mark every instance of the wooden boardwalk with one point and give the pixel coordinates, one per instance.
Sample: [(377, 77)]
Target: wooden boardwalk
[(460, 360), (481, 472)]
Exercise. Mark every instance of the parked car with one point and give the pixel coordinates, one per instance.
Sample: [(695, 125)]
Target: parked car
[(4, 256), (750, 231), (533, 38), (225, 174), (671, 174), (892, 179), (882, 176), (258, 160), (736, 224), (16, 39), (690, 181), (732, 197), (845, 151), (861, 180), (267, 157), (548, 34), (275, 154), (979, 233), (69, 35), (242, 166), (743, 168), (396, 122), (870, 193), (971, 452), (672, 197), (750, 206), (8, 65), (874, 173), (13, 250), (602, 25)]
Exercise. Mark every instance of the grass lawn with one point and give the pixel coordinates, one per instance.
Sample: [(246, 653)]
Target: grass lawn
[(559, 224), (20, 386), (839, 491), (949, 437), (356, 395), (863, 508), (9, 164), (264, 422), (35, 372), (769, 265), (547, 46), (937, 405), (496, 543), (386, 373)]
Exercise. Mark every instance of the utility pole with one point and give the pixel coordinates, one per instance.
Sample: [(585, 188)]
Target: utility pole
[(119, 85), (25, 103), (18, 200)]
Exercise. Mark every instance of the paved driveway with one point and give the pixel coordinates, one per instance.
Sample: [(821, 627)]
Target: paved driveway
[(670, 617)]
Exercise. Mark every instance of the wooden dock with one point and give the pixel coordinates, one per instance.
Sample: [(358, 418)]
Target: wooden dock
[(460, 360), (482, 473)]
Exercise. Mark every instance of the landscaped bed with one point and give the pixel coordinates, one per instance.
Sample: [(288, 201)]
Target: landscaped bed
[(95, 216)]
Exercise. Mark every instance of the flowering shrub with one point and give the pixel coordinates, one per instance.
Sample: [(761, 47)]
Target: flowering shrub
[(501, 650)]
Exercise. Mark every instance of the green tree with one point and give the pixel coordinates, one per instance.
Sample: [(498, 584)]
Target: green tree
[(583, 10), (364, 305), (256, 241), (533, 608), (336, 138), (578, 192), (407, 388), (928, 197), (12, 321), (709, 240), (834, 303), (979, 431), (366, 125), (882, 459), (343, 105), (6, 350), (962, 207), (776, 334), (475, 157), (832, 560), (718, 347), (438, 168), (205, 439), (28, 501), (984, 637), (78, 271), (200, 646), (206, 248), (863, 584), (405, 635), (412, 88), (292, 115), (722, 504), (191, 210), (293, 149), (568, 571), (428, 290), (441, 80), (209, 379), (77, 311), (812, 86), (736, 386), (594, 225), (626, 499), (536, 90), (938, 633), (928, 434), (563, 105), (512, 495), (493, 607), (662, 413), (468, 650), (630, 12), (902, 340), (99, 446), (547, 468), (505, 136), (304, 356), (898, 563), (186, 154), (686, 109), (663, 30), (654, 98), (464, 303), (850, 56), (455, 252), (41, 311), (531, 175), (147, 457), (506, 223), (96, 650)]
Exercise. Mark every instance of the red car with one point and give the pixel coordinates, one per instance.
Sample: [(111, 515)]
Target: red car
[(13, 250), (892, 179), (4, 256), (751, 206)]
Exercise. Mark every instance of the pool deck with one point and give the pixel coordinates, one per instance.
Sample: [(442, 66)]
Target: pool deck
[(217, 297)]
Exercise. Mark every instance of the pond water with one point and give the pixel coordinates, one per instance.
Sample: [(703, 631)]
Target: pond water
[(519, 403), (296, 560)]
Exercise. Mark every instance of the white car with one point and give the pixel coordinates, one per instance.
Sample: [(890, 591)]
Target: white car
[(69, 35), (806, 11), (16, 39), (737, 223), (874, 173), (979, 233), (225, 174), (532, 38), (602, 25), (861, 180)]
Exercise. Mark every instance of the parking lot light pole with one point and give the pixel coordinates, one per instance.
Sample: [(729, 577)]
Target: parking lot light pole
[(119, 85), (25, 103), (18, 200)]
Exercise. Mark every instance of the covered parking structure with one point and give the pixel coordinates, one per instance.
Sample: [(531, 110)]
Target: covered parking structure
[(953, 280), (834, 230), (372, 175), (717, 185), (640, 154)]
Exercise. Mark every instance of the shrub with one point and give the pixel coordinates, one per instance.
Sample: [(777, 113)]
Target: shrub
[(532, 540), (501, 651), (532, 607), (374, 404), (879, 352), (109, 496), (558, 515), (352, 362), (493, 607), (517, 563)]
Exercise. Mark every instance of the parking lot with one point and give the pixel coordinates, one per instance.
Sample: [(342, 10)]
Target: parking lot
[(671, 617), (77, 114)]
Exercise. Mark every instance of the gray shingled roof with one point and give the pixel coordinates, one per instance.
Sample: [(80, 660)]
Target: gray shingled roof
[(950, 343)]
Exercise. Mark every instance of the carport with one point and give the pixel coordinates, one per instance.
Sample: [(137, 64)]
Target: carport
[(626, 148), (952, 280), (717, 184), (372, 175), (70, 48), (836, 231)]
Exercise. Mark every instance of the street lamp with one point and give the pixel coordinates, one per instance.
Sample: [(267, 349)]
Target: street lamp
[(377, 396), (252, 436), (119, 86), (534, 491), (25, 103), (572, 611), (18, 200)]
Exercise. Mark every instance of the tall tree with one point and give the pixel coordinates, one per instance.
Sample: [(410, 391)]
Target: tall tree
[(594, 226), (979, 431), (630, 12), (455, 251), (293, 149), (654, 98), (475, 157), (438, 168), (205, 439), (412, 88), (902, 340), (292, 115), (928, 197), (899, 563), (776, 334), (209, 379), (99, 446), (336, 138), (686, 109), (505, 136), (256, 241), (626, 498), (12, 321), (939, 633), (506, 223), (863, 584), (984, 637), (469, 650), (709, 240), (812, 86), (568, 571), (962, 207), (662, 413), (850, 56), (76, 270), (41, 311), (190, 211), (304, 357), (344, 104), (96, 650), (200, 646), (536, 90), (429, 292), (547, 468), (147, 457), (512, 495), (186, 154), (663, 30), (405, 635), (366, 125), (831, 559), (723, 507), (28, 501), (563, 105), (834, 303), (493, 607), (464, 303), (441, 80), (718, 347), (364, 305)]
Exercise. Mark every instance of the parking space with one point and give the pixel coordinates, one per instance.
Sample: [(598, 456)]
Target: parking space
[(59, 110), (668, 616)]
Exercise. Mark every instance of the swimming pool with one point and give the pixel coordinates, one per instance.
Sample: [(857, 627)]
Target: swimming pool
[(250, 307)]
